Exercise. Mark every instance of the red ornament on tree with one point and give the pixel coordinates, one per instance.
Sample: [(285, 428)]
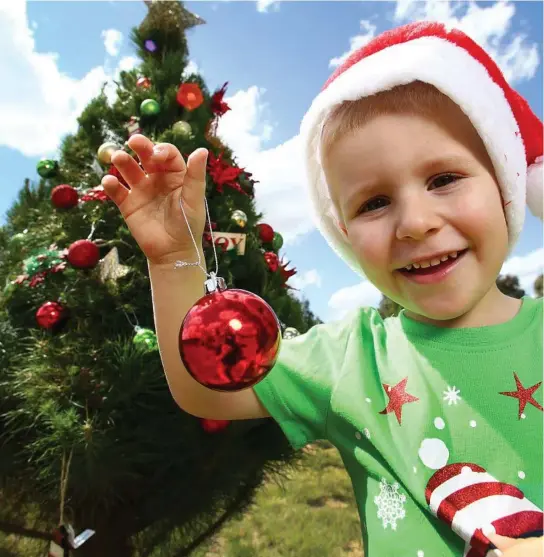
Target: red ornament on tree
[(214, 426), (143, 83), (229, 340), (266, 233), (271, 260), (50, 315), (83, 254), (64, 197), (189, 96)]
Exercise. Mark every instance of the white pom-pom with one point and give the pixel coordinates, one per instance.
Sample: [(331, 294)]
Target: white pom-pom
[(534, 188)]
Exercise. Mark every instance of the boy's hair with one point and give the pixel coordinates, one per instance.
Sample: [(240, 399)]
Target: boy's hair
[(416, 97)]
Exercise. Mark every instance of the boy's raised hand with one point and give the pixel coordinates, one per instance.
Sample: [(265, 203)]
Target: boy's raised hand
[(151, 208)]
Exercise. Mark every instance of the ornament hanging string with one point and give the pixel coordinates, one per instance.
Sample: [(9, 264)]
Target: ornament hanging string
[(65, 468), (179, 264)]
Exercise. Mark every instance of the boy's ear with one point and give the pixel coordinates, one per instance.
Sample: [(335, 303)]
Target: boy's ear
[(343, 229)]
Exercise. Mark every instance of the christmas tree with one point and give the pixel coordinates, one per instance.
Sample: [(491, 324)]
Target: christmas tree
[(90, 434)]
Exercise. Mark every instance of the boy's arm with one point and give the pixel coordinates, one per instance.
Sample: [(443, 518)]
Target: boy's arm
[(174, 292)]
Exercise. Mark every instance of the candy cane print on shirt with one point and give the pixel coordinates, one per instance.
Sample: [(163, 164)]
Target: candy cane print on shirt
[(470, 500)]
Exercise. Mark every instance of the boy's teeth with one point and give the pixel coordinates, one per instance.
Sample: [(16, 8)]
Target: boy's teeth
[(432, 262)]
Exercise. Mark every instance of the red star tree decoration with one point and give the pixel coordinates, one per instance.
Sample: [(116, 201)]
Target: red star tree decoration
[(223, 174), (218, 105), (524, 395), (397, 398), (286, 273)]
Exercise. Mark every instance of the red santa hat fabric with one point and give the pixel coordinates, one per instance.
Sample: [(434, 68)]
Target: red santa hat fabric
[(453, 63)]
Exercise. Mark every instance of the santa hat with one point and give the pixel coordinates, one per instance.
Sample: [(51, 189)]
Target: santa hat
[(460, 69)]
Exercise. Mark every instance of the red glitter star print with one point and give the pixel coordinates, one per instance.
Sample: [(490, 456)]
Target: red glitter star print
[(397, 397), (524, 395)]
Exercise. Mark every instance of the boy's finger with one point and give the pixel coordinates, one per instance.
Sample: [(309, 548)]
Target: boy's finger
[(114, 189), (128, 167), (163, 157), (194, 184), (501, 542)]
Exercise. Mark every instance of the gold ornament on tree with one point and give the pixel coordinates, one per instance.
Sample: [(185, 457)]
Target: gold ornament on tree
[(106, 150), (183, 129), (110, 268)]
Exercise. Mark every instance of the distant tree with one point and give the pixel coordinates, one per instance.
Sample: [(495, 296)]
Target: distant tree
[(538, 286), (388, 307), (509, 285)]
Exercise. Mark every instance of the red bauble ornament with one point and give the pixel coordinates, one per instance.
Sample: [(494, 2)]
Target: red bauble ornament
[(143, 83), (229, 340), (272, 261), (50, 314), (189, 96), (266, 233), (214, 426), (83, 254), (64, 197)]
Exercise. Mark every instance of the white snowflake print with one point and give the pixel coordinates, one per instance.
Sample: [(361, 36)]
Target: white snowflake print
[(390, 504), (452, 395)]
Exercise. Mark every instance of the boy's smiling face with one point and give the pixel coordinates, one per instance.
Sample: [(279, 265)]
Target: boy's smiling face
[(412, 187)]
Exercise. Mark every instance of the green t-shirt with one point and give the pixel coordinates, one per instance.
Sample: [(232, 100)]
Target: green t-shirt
[(440, 429)]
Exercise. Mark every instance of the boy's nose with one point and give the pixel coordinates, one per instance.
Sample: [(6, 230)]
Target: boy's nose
[(417, 219)]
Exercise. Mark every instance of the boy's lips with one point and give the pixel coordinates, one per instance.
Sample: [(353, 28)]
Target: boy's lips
[(433, 274)]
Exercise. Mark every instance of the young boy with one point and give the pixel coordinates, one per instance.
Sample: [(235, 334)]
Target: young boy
[(420, 158)]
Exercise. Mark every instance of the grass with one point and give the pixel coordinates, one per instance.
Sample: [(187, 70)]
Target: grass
[(312, 514)]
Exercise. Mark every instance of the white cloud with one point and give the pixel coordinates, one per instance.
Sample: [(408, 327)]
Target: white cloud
[(364, 294), (300, 281), (44, 106), (263, 5), (489, 25), (190, 69), (526, 267), (112, 41), (355, 43), (280, 193)]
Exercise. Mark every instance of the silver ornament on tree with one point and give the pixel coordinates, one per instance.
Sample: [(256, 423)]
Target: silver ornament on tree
[(110, 268), (290, 332), (239, 218)]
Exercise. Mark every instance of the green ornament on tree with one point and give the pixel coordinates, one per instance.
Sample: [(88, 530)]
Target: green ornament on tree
[(145, 338), (277, 242), (150, 107), (182, 129), (47, 168)]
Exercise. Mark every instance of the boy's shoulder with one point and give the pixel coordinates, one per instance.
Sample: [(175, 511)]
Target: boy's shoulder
[(353, 325)]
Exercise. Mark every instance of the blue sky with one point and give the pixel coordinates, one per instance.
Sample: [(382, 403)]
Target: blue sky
[(275, 56)]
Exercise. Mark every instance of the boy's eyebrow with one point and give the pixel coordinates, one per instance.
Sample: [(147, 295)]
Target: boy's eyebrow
[(425, 168)]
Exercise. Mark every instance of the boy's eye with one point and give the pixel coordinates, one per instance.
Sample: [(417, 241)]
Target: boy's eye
[(374, 204), (443, 180)]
